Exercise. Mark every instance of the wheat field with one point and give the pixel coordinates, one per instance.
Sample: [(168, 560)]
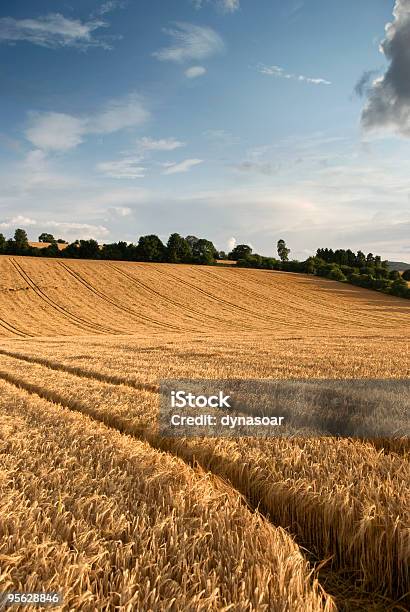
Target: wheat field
[(95, 504)]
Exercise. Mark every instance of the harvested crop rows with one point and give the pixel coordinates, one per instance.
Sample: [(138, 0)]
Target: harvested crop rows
[(114, 515)]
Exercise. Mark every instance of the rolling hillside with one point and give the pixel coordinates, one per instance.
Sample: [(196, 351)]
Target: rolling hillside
[(96, 504), (82, 298)]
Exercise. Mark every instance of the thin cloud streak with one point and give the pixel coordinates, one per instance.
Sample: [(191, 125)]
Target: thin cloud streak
[(277, 71)]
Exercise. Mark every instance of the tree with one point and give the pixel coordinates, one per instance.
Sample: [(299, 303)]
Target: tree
[(204, 252), (360, 259), (310, 265), (178, 249), (241, 251), (3, 244), (150, 248), (61, 241), (192, 240), (89, 249), (405, 276), (222, 255), (115, 251), (52, 250), (44, 237), (21, 241), (283, 251), (337, 275)]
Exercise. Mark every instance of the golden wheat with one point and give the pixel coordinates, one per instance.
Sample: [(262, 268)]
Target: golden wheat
[(108, 521), (96, 337)]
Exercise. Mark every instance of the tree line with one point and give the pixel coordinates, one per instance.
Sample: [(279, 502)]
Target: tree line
[(149, 248), (342, 265), (368, 271)]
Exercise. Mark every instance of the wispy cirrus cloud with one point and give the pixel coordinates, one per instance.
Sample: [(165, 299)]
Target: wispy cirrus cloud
[(388, 103), (54, 31), (130, 166), (147, 144), (54, 131), (127, 168), (184, 166), (111, 5), (225, 6), (190, 42), (277, 71)]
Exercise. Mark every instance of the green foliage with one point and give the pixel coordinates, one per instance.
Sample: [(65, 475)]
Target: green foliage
[(340, 265), (44, 237), (204, 252), (117, 251), (51, 251), (337, 275), (178, 249), (21, 242), (241, 251), (150, 248), (283, 251)]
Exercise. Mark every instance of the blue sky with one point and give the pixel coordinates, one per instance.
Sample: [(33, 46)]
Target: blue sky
[(235, 120)]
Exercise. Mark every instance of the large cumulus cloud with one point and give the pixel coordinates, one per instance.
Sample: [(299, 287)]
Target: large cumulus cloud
[(388, 103)]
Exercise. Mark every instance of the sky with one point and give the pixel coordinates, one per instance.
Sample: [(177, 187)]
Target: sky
[(242, 121)]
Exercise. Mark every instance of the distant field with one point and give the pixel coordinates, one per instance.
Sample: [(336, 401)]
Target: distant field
[(96, 504)]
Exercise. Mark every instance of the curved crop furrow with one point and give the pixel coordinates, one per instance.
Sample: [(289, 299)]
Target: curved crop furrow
[(108, 300), (82, 372), (220, 300), (168, 300), (14, 330), (139, 528), (78, 321), (321, 521), (351, 315), (291, 299), (273, 301)]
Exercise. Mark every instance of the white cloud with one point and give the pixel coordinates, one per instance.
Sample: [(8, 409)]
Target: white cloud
[(195, 71), (110, 5), (147, 144), (190, 42), (226, 6), (184, 166), (55, 131), (127, 168), (118, 115), (279, 72), (17, 221), (231, 244), (230, 6), (83, 231), (61, 132), (53, 31)]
